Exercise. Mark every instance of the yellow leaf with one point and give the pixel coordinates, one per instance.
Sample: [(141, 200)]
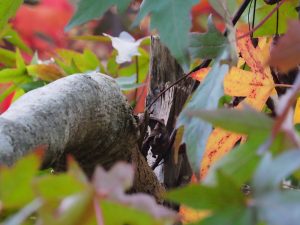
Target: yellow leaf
[(256, 85), (219, 143), (240, 82), (297, 112)]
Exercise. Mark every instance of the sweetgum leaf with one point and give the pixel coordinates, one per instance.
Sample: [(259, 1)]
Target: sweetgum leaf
[(279, 207), (207, 45), (171, 18), (240, 163), (239, 121), (128, 83), (272, 171), (91, 9), (217, 197), (112, 185), (127, 215), (16, 182)]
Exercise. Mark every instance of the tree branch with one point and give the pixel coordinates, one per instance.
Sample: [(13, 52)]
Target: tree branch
[(85, 115)]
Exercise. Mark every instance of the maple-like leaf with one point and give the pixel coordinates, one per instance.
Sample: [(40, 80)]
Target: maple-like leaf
[(171, 18), (112, 185), (219, 143), (90, 9), (207, 45), (256, 85), (126, 46), (285, 55)]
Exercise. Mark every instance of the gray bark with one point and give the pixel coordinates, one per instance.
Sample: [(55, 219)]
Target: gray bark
[(85, 115), (164, 71)]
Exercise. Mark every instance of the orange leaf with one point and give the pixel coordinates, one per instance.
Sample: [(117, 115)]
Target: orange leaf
[(297, 112), (200, 74), (285, 55)]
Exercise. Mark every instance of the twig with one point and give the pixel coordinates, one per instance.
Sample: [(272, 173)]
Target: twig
[(283, 85), (263, 21), (137, 77), (290, 96)]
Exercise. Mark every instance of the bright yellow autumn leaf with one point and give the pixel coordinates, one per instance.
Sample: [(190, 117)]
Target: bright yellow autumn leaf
[(297, 112), (255, 85)]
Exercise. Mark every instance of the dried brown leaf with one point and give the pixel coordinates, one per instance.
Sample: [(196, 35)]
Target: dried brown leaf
[(285, 55)]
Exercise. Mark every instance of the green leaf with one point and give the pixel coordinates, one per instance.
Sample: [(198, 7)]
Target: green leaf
[(279, 207), (207, 45), (47, 186), (20, 63), (239, 121), (199, 196), (143, 67), (74, 209), (11, 75), (206, 96), (18, 93), (14, 38), (271, 172), (126, 215), (7, 10), (112, 66), (171, 18), (286, 12), (15, 188), (32, 85), (228, 216), (23, 214), (91, 9), (240, 163), (91, 61), (8, 58), (128, 83), (75, 62)]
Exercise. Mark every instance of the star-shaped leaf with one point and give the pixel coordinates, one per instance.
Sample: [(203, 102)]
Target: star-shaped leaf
[(171, 18)]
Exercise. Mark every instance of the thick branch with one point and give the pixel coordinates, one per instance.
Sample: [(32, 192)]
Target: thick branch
[(84, 115)]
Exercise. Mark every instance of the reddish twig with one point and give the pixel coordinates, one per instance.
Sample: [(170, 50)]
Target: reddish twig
[(263, 21)]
